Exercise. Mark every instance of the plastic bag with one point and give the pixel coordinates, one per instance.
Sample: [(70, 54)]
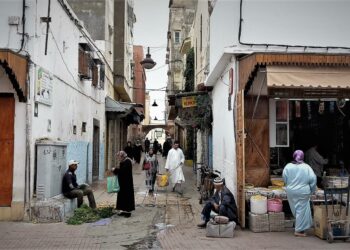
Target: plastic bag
[(112, 184), (162, 180)]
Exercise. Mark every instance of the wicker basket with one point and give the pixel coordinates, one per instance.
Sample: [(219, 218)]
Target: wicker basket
[(259, 222), (277, 223)]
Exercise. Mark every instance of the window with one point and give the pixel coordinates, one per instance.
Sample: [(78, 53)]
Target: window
[(279, 123), (177, 37), (83, 127), (102, 76), (85, 62)]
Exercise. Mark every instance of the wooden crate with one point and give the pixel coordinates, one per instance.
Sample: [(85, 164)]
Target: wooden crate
[(276, 221), (258, 222)]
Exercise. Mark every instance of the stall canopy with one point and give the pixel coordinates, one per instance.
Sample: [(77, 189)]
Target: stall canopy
[(131, 112)]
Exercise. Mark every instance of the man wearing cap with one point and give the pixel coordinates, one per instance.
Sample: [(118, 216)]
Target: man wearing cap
[(223, 203), (71, 189)]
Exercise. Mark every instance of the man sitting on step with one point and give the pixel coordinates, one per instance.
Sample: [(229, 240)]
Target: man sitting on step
[(223, 203), (71, 189)]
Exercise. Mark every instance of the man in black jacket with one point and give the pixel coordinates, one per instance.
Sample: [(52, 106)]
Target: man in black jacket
[(71, 189), (223, 203)]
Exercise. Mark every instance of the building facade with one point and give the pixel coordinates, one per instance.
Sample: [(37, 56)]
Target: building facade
[(52, 90)]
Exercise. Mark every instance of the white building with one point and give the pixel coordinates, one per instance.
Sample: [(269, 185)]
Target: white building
[(254, 46), (51, 88)]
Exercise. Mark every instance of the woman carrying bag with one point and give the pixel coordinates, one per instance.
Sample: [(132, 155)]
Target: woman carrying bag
[(151, 167), (126, 197)]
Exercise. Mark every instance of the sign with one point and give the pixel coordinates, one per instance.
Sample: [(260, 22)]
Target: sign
[(43, 87), (189, 101)]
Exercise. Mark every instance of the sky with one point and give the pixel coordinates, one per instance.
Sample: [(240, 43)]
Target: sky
[(150, 30)]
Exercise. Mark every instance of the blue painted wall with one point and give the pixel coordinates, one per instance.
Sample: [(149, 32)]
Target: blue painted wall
[(82, 152)]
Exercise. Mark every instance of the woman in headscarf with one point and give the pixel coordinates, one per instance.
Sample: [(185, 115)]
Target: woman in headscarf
[(129, 150), (125, 198), (300, 183), (151, 173), (137, 151)]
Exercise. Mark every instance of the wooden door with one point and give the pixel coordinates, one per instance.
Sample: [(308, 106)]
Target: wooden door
[(7, 114), (240, 156), (96, 153)]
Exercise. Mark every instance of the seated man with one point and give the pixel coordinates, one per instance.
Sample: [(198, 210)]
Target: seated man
[(71, 189), (223, 203)]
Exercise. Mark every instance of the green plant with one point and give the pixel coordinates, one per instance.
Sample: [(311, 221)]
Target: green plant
[(85, 214)]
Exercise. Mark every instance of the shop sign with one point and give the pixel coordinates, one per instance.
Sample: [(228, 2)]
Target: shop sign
[(43, 87), (189, 101)]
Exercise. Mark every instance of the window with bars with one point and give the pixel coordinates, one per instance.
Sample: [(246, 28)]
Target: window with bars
[(177, 37)]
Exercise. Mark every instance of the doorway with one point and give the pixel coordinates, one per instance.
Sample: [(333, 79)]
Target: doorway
[(7, 114), (96, 150)]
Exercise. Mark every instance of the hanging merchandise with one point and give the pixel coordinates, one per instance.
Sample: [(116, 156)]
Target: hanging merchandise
[(331, 107), (309, 110), (297, 109), (321, 108)]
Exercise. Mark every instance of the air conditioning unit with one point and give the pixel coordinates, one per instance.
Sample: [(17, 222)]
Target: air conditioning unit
[(50, 168)]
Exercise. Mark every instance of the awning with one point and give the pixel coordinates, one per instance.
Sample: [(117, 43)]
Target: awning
[(132, 112), (308, 77), (16, 67)]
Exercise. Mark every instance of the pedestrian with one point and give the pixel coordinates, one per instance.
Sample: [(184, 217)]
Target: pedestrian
[(151, 173), (316, 162), (222, 203), (174, 165), (155, 146), (137, 152), (71, 189), (300, 182), (129, 150), (166, 147), (126, 197), (147, 144)]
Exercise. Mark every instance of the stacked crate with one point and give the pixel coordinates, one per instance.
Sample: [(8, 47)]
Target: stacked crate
[(259, 223), (276, 222)]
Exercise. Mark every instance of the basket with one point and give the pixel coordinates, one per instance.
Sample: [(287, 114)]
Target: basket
[(259, 223), (277, 222)]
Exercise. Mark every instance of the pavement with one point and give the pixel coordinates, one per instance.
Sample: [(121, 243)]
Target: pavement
[(164, 220)]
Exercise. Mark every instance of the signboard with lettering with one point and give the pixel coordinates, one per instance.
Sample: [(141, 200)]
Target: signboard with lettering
[(43, 87), (189, 101)]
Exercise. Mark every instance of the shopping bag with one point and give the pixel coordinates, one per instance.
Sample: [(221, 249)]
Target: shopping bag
[(112, 184), (162, 180)]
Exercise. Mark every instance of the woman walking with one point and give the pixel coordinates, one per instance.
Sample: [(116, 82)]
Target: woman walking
[(125, 198), (129, 150), (300, 183), (151, 172)]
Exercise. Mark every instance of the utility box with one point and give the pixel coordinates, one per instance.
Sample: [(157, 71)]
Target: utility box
[(50, 167)]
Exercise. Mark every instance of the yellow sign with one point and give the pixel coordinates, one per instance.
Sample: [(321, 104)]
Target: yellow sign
[(189, 101)]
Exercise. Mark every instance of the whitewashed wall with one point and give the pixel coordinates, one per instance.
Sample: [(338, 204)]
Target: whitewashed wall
[(224, 148), (74, 101)]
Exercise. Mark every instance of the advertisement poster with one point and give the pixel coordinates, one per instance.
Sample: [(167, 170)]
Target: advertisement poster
[(43, 90)]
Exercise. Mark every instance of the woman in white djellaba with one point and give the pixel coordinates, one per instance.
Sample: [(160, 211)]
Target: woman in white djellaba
[(173, 166), (300, 183)]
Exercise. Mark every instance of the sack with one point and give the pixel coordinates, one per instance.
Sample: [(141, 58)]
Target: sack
[(220, 230), (146, 166), (162, 180), (219, 219), (112, 184)]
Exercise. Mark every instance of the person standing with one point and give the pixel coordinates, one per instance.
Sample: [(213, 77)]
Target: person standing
[(137, 152), (166, 147), (174, 165), (155, 146), (147, 144), (126, 197), (151, 173), (129, 150), (71, 189), (316, 161), (223, 203), (300, 182)]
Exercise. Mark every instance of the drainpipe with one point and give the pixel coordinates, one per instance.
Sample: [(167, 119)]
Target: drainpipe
[(27, 188)]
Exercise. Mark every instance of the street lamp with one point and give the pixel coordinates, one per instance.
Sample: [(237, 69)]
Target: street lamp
[(154, 104), (155, 118), (148, 62)]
